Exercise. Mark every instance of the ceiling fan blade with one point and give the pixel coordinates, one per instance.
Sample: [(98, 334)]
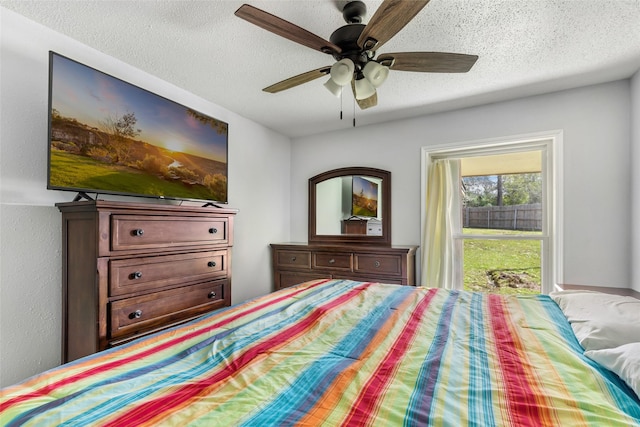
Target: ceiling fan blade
[(285, 29), (391, 17), (297, 80), (429, 62), (369, 102)]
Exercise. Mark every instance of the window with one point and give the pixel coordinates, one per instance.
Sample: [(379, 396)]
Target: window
[(502, 223), (515, 249)]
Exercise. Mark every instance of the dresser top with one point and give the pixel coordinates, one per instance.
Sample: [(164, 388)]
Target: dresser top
[(345, 247), (93, 205)]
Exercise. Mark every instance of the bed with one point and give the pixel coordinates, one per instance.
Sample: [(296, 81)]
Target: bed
[(341, 352)]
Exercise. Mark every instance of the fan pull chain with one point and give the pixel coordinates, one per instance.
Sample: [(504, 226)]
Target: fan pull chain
[(354, 112), (341, 104)]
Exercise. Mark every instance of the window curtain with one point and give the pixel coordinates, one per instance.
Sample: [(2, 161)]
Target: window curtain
[(442, 254)]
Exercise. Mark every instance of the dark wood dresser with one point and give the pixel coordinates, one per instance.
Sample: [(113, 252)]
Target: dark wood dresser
[(130, 269), (295, 263)]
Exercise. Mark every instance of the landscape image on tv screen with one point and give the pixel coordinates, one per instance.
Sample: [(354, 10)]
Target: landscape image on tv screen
[(365, 197), (109, 136)]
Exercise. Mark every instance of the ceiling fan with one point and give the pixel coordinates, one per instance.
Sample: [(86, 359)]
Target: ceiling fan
[(354, 48)]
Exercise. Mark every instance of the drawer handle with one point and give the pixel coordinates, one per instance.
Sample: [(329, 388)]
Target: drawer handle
[(211, 264), (213, 230), (136, 275), (136, 314), (376, 264), (332, 261), (293, 259), (137, 232), (212, 294)]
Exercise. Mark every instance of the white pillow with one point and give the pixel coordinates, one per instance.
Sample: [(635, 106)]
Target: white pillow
[(600, 320), (598, 334), (623, 360)]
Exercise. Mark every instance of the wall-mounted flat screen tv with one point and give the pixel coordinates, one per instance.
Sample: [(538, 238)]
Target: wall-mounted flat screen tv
[(365, 197), (107, 136)]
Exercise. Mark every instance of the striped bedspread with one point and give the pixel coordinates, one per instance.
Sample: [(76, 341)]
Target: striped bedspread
[(329, 353)]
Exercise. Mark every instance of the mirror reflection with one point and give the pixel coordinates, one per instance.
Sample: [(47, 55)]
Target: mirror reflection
[(349, 204)]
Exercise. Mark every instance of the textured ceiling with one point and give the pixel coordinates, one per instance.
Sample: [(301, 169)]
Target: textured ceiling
[(525, 47)]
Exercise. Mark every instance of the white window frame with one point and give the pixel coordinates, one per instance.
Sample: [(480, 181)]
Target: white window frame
[(550, 143)]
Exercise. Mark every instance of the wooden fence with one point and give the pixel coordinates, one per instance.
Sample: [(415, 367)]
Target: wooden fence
[(516, 217)]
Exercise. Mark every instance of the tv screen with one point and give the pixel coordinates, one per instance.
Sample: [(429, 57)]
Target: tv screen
[(107, 136), (365, 197)]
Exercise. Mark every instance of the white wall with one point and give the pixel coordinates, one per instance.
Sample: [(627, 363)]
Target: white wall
[(30, 233), (597, 168), (635, 195)]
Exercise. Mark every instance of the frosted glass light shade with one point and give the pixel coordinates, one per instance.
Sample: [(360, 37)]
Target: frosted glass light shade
[(342, 71), (375, 73), (333, 87), (364, 89)]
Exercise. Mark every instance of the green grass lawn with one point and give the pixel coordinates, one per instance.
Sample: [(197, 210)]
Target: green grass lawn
[(72, 170), (501, 266)]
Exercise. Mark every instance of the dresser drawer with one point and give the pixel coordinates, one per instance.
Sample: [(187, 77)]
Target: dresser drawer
[(378, 264), (138, 314), (332, 260), (285, 279), (372, 279), (153, 232), (297, 259), (149, 273)]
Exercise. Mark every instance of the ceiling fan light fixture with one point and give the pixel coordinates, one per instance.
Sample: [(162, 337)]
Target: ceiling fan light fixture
[(375, 73), (364, 89), (342, 71), (334, 88)]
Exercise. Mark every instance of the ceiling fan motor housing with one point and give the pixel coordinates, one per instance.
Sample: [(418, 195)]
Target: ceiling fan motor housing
[(346, 37)]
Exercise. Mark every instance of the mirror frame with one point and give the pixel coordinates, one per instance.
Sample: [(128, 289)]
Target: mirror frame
[(384, 239)]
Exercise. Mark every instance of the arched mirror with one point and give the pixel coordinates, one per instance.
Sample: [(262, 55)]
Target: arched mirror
[(350, 205)]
